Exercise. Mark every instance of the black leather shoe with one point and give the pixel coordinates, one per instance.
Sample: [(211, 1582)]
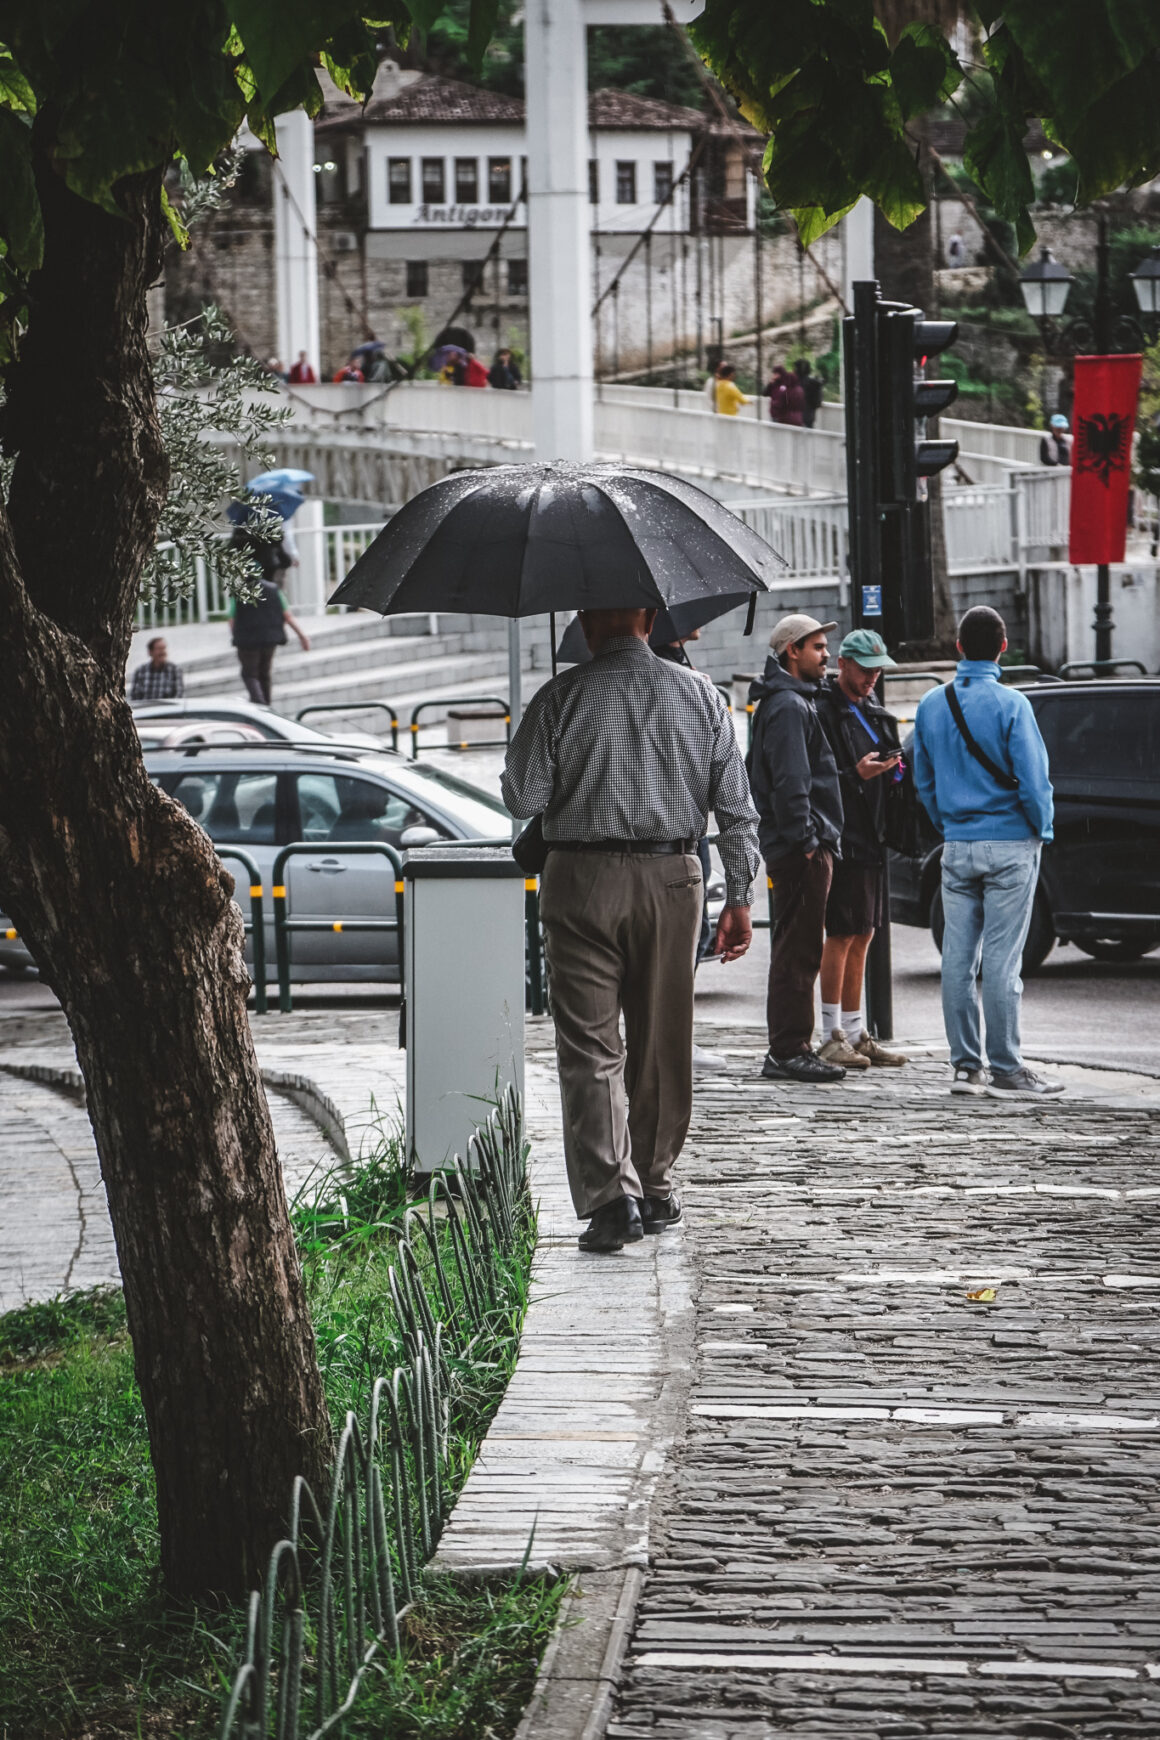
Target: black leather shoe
[(803, 1066), (617, 1223), (658, 1212)]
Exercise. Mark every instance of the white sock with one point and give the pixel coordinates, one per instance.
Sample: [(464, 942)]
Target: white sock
[(852, 1025), (831, 1018)]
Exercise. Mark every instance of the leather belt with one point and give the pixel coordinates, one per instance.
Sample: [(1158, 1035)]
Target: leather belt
[(642, 848)]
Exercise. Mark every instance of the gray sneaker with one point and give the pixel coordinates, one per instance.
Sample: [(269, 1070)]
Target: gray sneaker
[(1023, 1084), (970, 1081)]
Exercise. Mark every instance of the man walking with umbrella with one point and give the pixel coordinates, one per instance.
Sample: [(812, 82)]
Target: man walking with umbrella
[(623, 758)]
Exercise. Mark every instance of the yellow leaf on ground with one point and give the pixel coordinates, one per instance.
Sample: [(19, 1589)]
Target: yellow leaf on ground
[(986, 1294)]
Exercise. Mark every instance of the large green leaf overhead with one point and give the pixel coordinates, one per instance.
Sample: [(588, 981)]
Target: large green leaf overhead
[(821, 79)]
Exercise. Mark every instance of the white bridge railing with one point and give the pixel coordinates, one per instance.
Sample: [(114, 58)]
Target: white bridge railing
[(1006, 527)]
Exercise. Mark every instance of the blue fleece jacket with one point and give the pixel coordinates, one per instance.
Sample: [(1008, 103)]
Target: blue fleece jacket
[(959, 796)]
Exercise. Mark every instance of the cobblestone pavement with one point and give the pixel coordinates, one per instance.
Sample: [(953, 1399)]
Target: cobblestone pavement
[(898, 1510), (55, 1234)]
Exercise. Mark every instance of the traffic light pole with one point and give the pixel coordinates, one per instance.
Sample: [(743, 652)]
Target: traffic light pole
[(888, 459)]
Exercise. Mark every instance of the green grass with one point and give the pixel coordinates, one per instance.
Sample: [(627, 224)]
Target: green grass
[(90, 1647)]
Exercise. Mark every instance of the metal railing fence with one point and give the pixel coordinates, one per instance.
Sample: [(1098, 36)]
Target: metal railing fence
[(284, 924), (346, 708), (330, 1599), (472, 701)]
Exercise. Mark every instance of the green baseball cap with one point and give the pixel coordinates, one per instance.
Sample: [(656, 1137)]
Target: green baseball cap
[(867, 649)]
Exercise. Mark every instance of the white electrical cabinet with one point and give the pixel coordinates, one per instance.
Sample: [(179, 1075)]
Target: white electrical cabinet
[(463, 958)]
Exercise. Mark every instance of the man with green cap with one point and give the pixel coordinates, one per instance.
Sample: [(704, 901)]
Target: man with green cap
[(864, 739)]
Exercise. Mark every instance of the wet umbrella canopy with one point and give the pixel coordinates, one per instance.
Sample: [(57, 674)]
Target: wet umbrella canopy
[(525, 540)]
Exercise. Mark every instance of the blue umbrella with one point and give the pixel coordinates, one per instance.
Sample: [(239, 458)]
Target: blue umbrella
[(268, 481), (284, 502)]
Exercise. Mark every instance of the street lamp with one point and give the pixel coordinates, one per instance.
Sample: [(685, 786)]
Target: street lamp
[(1045, 286), (1145, 282)]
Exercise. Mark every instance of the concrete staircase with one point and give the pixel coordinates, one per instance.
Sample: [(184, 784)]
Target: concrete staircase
[(362, 657)]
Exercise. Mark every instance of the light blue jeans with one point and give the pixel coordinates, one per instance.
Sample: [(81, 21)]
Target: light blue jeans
[(988, 887)]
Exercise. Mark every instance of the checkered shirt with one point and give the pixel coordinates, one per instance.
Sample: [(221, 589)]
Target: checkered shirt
[(157, 683), (631, 747)]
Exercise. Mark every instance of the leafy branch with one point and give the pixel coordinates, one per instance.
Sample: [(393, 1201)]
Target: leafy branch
[(822, 79)]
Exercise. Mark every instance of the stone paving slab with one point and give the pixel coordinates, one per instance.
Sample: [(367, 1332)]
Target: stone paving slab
[(898, 1510)]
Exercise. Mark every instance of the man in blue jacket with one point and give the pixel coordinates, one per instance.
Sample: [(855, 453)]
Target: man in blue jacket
[(980, 770)]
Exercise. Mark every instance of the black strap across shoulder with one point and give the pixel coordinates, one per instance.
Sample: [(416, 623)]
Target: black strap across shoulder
[(1006, 780)]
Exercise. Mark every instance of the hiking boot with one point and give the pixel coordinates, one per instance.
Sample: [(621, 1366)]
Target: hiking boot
[(804, 1066), (1023, 1084), (868, 1047), (970, 1081), (838, 1049)]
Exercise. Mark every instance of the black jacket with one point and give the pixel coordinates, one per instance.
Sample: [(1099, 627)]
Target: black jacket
[(792, 772), (863, 800)]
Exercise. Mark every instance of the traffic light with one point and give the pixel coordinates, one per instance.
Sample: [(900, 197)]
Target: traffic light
[(906, 399)]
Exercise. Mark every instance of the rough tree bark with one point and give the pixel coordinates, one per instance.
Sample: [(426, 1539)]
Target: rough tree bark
[(127, 911)]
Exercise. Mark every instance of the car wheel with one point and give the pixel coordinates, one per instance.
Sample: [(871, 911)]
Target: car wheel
[(1124, 949), (1040, 935)]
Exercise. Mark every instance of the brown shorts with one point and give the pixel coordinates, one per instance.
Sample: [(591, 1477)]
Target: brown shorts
[(854, 907)]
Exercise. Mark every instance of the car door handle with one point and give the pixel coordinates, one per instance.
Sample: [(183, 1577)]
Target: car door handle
[(328, 867)]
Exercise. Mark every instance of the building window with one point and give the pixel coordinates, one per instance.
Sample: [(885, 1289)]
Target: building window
[(523, 177), (517, 277), (472, 275), (398, 181), (593, 182), (499, 181), (416, 277), (467, 180), (434, 172), (626, 184), (662, 182)]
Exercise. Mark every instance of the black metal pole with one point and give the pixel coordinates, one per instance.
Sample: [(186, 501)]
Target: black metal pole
[(879, 974), (1104, 622)]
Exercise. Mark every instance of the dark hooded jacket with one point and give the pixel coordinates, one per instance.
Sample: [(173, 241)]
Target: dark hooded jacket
[(792, 771), (863, 800)]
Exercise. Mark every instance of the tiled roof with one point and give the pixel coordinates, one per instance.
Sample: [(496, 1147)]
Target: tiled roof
[(436, 99), (427, 99)]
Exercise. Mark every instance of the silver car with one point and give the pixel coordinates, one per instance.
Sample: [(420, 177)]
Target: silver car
[(263, 797)]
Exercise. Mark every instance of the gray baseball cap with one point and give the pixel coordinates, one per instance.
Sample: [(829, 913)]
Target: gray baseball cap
[(798, 627)]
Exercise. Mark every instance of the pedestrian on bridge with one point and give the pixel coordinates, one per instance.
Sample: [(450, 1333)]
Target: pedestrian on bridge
[(980, 770), (623, 758), (729, 397)]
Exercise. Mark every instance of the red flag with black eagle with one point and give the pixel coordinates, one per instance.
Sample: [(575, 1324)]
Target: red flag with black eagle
[(1104, 418)]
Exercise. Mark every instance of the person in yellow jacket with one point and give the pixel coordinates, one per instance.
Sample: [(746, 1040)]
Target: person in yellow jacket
[(730, 398)]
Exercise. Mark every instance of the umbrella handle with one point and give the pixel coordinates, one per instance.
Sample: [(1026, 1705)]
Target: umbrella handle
[(751, 613), (552, 622)]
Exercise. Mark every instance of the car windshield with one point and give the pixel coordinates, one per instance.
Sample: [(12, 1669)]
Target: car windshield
[(484, 815)]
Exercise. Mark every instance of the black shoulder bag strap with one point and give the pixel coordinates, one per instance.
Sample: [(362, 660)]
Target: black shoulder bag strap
[(1006, 780)]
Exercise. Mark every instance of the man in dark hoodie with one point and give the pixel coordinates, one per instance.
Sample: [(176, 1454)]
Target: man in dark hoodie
[(794, 780)]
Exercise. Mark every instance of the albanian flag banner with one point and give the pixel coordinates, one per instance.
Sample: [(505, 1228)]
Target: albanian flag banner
[(1104, 418)]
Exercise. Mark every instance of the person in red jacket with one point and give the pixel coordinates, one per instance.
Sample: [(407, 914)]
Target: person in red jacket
[(474, 373), (349, 371), (301, 374)]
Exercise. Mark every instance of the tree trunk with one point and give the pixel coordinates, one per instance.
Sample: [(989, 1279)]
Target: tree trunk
[(127, 911), (904, 264)]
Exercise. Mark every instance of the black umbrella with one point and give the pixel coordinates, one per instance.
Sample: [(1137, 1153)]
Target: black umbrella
[(670, 625), (525, 540)]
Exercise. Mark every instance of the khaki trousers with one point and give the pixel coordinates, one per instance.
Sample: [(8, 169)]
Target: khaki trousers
[(620, 933)]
